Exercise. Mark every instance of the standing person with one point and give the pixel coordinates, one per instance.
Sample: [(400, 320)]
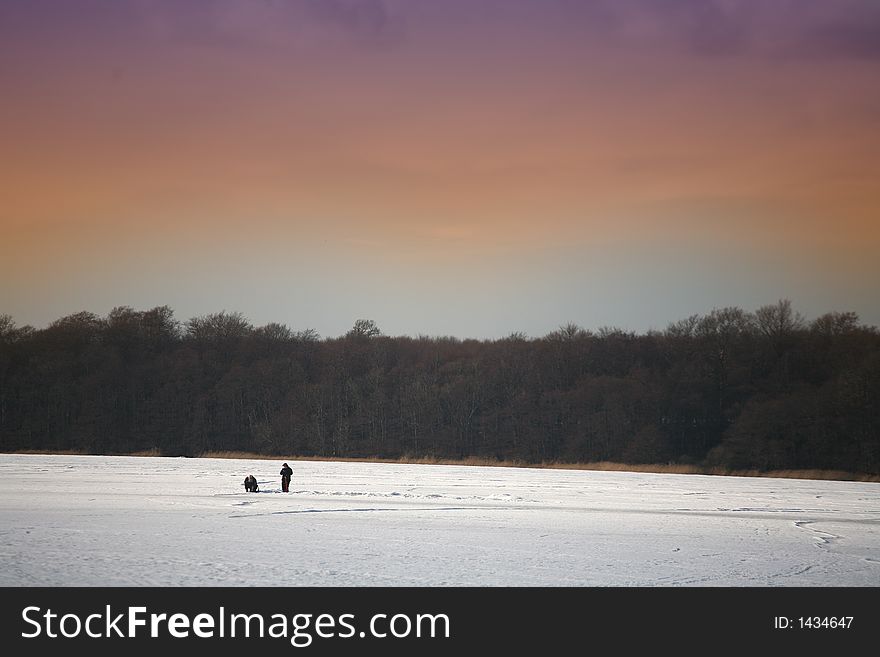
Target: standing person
[(286, 474)]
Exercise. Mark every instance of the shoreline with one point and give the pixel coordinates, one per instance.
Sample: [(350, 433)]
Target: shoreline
[(599, 466)]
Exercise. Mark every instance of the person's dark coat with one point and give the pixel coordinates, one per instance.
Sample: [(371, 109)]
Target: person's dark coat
[(286, 474), (250, 484)]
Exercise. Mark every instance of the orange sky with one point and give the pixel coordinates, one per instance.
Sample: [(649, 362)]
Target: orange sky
[(467, 168)]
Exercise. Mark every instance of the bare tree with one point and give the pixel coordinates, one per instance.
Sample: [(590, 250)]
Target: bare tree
[(708, 386), (307, 335), (274, 332), (778, 320), (683, 328), (7, 328), (364, 328), (835, 323), (567, 333), (216, 326)]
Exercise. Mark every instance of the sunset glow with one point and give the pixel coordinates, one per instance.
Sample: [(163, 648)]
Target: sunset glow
[(456, 167)]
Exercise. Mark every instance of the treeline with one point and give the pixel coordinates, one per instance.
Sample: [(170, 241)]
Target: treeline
[(732, 389)]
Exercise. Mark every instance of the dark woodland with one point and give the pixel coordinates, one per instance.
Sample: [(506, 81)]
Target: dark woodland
[(733, 389)]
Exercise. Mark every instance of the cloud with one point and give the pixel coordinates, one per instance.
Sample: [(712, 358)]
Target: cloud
[(704, 27), (220, 24), (843, 40), (726, 28), (277, 23), (366, 21)]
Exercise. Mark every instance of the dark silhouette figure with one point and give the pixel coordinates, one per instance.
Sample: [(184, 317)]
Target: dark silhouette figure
[(286, 474), (250, 484)]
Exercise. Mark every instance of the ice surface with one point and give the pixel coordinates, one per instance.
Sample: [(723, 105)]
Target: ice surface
[(142, 521)]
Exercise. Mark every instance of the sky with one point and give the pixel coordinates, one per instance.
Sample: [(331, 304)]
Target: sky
[(459, 167)]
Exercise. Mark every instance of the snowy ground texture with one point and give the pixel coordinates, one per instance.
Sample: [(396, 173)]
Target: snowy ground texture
[(140, 521)]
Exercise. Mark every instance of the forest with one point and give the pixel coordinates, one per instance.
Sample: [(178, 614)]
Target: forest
[(763, 390)]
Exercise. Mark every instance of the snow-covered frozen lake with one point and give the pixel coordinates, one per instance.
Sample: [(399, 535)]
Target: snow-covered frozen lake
[(141, 521)]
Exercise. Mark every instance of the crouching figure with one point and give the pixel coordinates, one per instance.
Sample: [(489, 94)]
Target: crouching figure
[(250, 484)]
